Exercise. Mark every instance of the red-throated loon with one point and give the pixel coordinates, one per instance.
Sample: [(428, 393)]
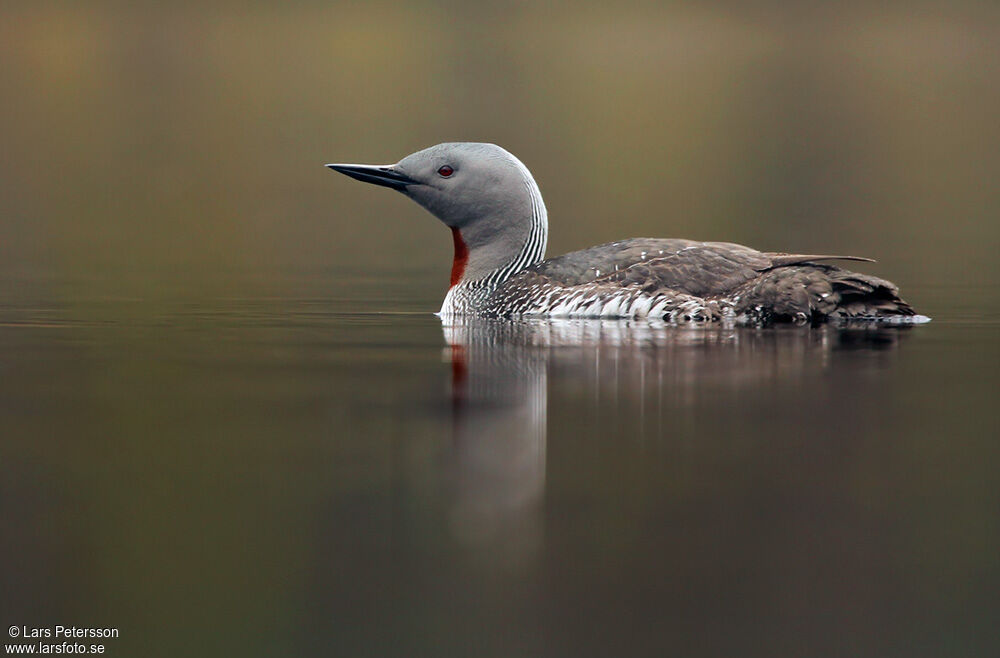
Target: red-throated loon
[(493, 206)]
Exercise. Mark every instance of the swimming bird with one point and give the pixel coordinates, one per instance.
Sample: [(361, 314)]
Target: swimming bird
[(499, 226)]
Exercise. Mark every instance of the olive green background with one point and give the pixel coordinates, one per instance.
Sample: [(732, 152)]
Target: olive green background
[(149, 145)]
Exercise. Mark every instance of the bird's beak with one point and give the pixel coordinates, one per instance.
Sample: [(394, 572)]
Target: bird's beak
[(385, 175)]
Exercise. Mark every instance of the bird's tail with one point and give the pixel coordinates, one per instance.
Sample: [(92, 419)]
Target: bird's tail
[(817, 293), (862, 296)]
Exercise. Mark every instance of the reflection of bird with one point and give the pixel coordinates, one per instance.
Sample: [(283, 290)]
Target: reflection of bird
[(499, 224), (499, 407)]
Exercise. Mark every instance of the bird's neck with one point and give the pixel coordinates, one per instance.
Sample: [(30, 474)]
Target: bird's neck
[(461, 257), (489, 252)]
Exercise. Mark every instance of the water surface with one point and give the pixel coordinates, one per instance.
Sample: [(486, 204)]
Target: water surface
[(283, 475)]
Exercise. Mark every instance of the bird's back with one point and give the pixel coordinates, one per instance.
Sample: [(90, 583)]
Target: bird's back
[(684, 280)]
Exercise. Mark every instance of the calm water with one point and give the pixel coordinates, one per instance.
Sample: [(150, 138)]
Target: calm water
[(288, 476), (219, 437)]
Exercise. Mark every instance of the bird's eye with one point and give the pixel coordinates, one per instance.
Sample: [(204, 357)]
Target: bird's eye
[(446, 171)]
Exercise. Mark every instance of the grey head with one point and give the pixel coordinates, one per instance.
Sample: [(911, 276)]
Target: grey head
[(485, 194)]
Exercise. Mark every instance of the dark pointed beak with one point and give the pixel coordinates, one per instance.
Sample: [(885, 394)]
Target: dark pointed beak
[(385, 175)]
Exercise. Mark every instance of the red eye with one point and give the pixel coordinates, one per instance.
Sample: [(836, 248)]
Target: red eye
[(446, 171)]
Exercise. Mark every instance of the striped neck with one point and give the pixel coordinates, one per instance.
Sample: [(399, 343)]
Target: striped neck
[(467, 296)]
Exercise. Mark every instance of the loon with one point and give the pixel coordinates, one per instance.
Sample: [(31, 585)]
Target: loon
[(499, 225)]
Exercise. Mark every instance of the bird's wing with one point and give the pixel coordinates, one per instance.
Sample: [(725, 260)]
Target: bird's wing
[(685, 266), (781, 259), (683, 278), (697, 268)]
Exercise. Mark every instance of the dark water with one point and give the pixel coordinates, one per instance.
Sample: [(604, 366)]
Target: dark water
[(291, 476), (231, 426)]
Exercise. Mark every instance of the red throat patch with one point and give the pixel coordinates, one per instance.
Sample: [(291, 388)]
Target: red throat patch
[(461, 257)]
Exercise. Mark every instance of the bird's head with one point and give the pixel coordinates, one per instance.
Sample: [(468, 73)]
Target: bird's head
[(460, 183)]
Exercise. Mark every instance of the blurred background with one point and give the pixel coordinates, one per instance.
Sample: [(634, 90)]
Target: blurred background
[(229, 424), (151, 148)]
